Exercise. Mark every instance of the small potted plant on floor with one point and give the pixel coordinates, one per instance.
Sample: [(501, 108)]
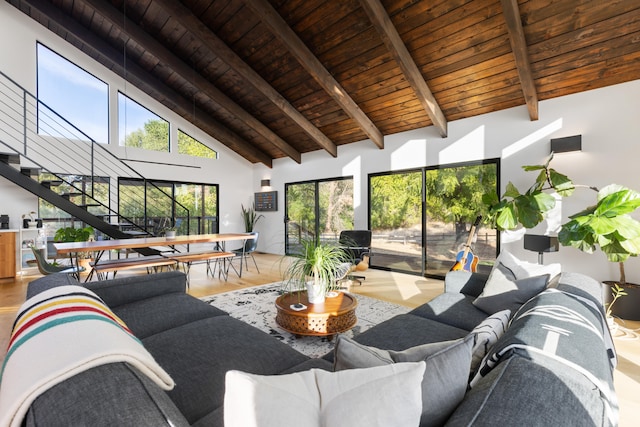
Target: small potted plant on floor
[(316, 266)]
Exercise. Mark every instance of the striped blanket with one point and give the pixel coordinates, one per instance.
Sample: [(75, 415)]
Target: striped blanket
[(58, 334)]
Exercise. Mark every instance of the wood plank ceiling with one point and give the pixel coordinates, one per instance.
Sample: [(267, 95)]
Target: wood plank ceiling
[(278, 78)]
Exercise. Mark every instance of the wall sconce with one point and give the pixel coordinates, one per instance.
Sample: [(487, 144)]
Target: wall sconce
[(566, 144), (541, 244), (265, 183)]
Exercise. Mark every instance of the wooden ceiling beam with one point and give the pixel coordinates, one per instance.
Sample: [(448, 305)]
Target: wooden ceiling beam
[(196, 27), (270, 17), (382, 23), (511, 13), (113, 59), (177, 65)]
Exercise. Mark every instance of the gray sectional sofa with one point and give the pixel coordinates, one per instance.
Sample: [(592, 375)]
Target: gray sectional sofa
[(525, 384)]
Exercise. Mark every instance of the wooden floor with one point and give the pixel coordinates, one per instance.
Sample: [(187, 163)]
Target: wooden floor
[(398, 288)]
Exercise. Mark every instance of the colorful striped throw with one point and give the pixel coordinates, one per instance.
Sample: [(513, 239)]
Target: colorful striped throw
[(58, 334)]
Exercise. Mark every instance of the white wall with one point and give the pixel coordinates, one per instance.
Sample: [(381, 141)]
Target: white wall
[(606, 118), (18, 37)]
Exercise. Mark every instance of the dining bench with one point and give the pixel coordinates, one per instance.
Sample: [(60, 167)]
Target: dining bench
[(189, 258), (151, 262)]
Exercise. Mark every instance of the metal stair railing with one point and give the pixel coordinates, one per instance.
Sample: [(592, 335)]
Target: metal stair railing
[(47, 142)]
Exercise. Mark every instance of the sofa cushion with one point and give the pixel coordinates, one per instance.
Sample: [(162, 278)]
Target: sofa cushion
[(560, 326), (314, 363), (454, 309), (321, 398), (512, 282), (154, 315), (486, 334), (44, 283), (465, 282), (198, 354), (581, 285), (128, 289), (522, 392), (445, 379), (91, 398), (405, 331)]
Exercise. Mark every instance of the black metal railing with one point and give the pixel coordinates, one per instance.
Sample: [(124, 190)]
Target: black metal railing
[(73, 165)]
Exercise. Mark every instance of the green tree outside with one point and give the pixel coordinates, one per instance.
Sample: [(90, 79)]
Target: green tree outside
[(454, 195), (192, 147), (153, 136)]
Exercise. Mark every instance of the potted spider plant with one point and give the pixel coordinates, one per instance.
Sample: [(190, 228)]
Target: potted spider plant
[(316, 266), (606, 225)]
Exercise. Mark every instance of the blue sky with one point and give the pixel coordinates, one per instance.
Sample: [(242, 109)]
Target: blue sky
[(81, 98)]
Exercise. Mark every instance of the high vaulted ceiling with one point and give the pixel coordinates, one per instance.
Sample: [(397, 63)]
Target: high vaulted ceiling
[(277, 78)]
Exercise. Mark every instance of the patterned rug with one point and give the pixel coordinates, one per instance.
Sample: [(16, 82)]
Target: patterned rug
[(256, 306)]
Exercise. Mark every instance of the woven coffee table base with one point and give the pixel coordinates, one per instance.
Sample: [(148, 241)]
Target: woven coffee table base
[(333, 317)]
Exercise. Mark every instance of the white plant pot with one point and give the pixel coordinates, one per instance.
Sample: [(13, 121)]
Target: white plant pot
[(315, 293), (170, 234)]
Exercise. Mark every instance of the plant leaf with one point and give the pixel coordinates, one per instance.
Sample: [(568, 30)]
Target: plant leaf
[(507, 218), (511, 191), (561, 183), (614, 200)]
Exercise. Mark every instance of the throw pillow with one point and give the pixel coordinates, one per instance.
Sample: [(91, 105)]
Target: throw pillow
[(524, 269), (503, 293), (381, 396), (486, 334), (445, 378), (513, 282)]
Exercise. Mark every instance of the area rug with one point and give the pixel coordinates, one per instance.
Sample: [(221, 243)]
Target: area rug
[(256, 306)]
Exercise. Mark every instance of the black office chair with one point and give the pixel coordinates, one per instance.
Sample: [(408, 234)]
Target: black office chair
[(47, 268), (357, 244)]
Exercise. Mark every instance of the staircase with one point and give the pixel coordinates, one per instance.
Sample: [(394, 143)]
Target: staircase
[(49, 157)]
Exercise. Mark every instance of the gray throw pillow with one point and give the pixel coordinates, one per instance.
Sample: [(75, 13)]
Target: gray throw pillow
[(505, 293), (512, 282), (486, 334), (445, 378)]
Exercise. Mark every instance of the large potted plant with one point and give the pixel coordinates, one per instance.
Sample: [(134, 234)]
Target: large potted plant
[(316, 266), (606, 225)]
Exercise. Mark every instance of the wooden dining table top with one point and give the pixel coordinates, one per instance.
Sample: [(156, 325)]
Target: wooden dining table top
[(145, 242)]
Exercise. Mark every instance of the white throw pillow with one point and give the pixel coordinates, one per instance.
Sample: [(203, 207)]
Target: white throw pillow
[(524, 269), (486, 334), (385, 396)]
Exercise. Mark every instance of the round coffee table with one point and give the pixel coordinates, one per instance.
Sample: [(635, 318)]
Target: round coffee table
[(336, 315)]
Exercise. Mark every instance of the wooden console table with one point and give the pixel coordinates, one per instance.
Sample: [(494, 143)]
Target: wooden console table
[(336, 315)]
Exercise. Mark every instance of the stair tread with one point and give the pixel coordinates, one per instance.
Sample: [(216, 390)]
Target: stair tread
[(10, 158)]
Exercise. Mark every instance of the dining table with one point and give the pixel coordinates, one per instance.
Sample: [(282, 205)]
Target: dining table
[(99, 247)]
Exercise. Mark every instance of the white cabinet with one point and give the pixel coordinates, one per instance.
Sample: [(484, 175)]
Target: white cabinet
[(26, 238)]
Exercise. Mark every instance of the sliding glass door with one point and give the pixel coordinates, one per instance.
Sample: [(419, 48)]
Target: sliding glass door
[(317, 210), (421, 219), (396, 217)]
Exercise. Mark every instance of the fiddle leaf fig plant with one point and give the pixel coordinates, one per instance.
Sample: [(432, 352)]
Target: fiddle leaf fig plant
[(606, 225), (530, 208)]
